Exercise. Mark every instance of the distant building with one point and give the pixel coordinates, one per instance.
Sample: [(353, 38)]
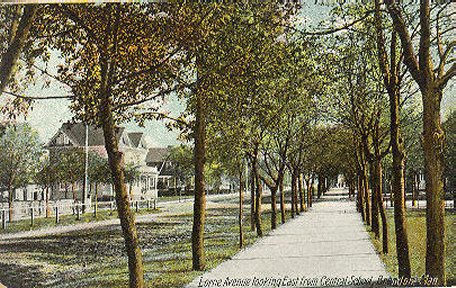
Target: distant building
[(133, 146), (159, 158)]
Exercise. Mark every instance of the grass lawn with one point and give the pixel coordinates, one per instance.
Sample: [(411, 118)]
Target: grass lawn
[(43, 222), (174, 198), (416, 225), (96, 258)]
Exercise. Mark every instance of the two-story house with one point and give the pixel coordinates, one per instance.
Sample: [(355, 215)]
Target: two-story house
[(133, 145)]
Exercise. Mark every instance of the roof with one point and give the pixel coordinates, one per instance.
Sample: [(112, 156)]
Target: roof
[(76, 133), (157, 154), (135, 138)]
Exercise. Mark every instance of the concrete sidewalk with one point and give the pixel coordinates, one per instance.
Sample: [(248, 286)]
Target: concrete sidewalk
[(327, 246)]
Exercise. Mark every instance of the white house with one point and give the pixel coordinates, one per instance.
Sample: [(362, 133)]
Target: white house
[(133, 145)]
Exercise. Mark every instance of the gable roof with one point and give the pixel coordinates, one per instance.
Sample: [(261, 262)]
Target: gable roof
[(157, 154), (76, 133), (135, 138)]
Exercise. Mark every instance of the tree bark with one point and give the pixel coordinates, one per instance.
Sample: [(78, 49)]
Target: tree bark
[(302, 199), (294, 180), (48, 209), (433, 141), (413, 189), (10, 203), (374, 198), (282, 199), (400, 223), (96, 200), (309, 191), (273, 207), (292, 195), (258, 195), (9, 59), (241, 207), (380, 205), (360, 197), (252, 200), (116, 164), (199, 207), (73, 192), (126, 216), (320, 186), (366, 194)]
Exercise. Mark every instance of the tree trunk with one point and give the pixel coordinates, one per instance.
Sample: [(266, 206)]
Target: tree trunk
[(199, 208), (73, 192), (309, 192), (252, 200), (374, 203), (10, 203), (301, 194), (273, 207), (319, 186), (292, 195), (433, 141), (116, 164), (10, 57), (294, 181), (282, 198), (366, 194), (380, 205), (96, 199), (414, 189), (258, 195), (360, 197), (397, 188), (48, 209), (241, 207)]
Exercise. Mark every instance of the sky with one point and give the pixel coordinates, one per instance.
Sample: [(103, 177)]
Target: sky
[(48, 115)]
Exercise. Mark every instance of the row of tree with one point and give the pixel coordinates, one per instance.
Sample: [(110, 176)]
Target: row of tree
[(377, 75)]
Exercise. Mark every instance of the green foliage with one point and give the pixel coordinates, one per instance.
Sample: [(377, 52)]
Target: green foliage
[(68, 163), (98, 169), (182, 155), (132, 173), (20, 152)]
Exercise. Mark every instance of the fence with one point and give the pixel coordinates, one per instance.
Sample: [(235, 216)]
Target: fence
[(57, 209)]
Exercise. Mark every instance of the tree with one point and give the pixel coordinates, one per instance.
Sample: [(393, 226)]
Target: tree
[(20, 152), (115, 57), (183, 157), (431, 82), (392, 78), (99, 173), (47, 176), (212, 60), (132, 174), (70, 166), (19, 19)]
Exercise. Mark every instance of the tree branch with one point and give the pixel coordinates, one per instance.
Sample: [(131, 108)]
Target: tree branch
[(401, 29), (68, 97), (442, 82)]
